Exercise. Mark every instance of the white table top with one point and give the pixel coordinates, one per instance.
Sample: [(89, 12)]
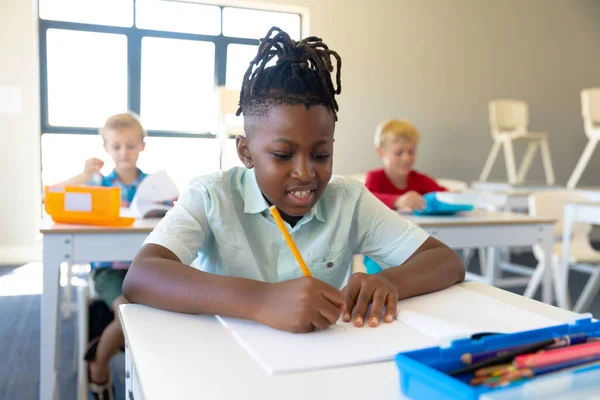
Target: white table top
[(193, 356), (477, 217), (48, 226)]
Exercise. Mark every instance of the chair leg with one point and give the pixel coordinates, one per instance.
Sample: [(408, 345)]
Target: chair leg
[(535, 281), (589, 292), (467, 256), (526, 163), (489, 163), (582, 163), (547, 162), (509, 160)]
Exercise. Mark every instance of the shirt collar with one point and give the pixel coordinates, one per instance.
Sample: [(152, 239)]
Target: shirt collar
[(254, 201), (113, 177)]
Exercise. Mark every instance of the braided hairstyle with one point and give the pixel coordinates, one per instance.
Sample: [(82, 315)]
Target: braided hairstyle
[(301, 75)]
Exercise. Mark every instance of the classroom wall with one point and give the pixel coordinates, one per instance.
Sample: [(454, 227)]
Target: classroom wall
[(19, 133), (435, 62), (439, 62)]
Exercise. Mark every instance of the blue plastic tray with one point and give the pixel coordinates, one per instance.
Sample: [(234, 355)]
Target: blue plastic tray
[(423, 372)]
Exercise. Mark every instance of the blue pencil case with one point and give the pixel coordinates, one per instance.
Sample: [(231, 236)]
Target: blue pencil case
[(435, 206), (423, 373)]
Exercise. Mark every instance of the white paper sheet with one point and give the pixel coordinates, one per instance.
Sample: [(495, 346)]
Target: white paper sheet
[(150, 194), (423, 321)]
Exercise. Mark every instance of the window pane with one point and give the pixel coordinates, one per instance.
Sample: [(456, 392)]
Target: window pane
[(178, 82), (183, 158), (100, 12), (178, 17), (87, 77), (254, 24), (230, 156), (238, 61), (56, 167)]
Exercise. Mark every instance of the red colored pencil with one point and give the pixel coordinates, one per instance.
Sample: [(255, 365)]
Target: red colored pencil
[(557, 356)]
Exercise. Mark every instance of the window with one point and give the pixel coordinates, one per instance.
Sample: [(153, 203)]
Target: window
[(100, 12), (178, 95), (161, 15), (87, 77), (161, 59)]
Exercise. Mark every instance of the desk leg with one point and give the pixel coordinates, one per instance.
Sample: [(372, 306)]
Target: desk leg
[(53, 254), (569, 218), (491, 270), (547, 244)]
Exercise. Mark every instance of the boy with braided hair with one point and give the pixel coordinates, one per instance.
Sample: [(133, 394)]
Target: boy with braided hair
[(244, 268)]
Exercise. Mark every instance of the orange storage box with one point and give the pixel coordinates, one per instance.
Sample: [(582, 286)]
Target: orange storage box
[(89, 205)]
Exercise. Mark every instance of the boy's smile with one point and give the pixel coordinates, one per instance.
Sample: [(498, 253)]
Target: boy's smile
[(291, 149)]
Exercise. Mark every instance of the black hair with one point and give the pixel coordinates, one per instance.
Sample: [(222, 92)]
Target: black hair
[(301, 75)]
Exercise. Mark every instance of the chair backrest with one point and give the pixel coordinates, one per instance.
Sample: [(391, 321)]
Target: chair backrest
[(228, 105), (453, 184), (551, 204), (590, 110), (508, 116)]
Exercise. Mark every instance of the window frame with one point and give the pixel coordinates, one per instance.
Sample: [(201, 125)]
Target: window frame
[(134, 37)]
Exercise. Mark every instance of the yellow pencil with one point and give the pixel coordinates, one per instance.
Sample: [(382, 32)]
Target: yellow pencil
[(289, 240)]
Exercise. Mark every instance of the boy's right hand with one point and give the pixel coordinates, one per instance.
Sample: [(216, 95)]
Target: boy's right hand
[(410, 201), (92, 166), (301, 305)]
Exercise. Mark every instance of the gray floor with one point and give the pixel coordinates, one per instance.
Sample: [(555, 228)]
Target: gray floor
[(20, 332), (20, 347)]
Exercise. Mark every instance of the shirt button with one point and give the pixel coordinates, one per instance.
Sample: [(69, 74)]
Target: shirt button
[(329, 264)]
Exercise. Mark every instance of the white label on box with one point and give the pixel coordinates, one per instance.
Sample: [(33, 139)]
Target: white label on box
[(78, 202)]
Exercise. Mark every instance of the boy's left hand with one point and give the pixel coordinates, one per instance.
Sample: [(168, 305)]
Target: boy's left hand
[(364, 290)]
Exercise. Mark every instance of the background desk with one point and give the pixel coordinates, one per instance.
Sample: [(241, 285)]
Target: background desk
[(76, 244), (574, 212), (179, 356), (479, 228)]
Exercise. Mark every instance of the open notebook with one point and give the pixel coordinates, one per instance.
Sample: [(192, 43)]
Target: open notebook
[(423, 321)]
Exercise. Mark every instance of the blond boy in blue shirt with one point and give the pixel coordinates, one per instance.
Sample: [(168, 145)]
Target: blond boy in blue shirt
[(245, 268), (123, 139)]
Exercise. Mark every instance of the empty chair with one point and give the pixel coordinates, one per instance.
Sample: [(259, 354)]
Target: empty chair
[(583, 257), (509, 120), (590, 110)]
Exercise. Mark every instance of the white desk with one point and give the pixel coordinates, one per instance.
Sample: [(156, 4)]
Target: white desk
[(82, 244), (479, 228), (178, 356), (75, 244), (588, 212)]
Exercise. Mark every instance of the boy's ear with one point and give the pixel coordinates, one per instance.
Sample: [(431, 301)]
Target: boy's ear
[(241, 145), (143, 145), (379, 152)]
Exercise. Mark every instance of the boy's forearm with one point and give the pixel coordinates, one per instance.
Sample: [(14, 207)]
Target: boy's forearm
[(172, 286), (430, 270)]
